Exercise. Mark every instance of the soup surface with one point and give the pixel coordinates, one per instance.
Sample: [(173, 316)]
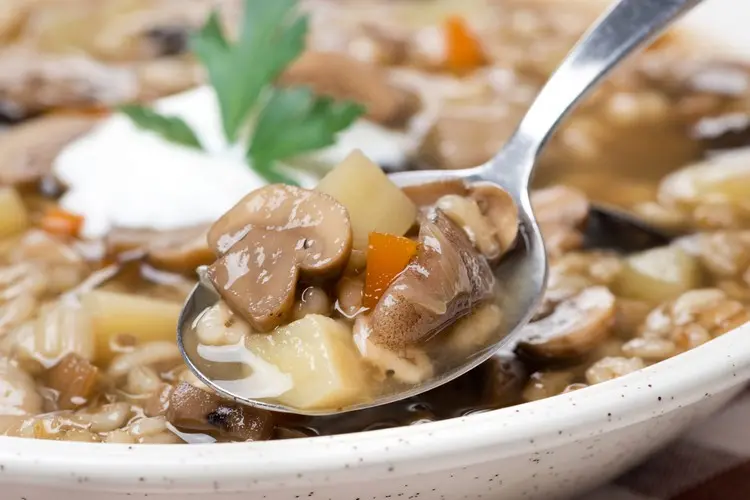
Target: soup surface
[(87, 323)]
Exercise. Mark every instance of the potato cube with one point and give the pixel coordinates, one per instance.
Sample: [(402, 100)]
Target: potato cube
[(13, 215), (319, 354), (658, 275), (374, 202), (144, 319)]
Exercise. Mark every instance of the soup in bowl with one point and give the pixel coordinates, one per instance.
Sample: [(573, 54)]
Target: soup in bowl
[(103, 222)]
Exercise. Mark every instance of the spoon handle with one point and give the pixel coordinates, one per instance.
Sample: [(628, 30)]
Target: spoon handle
[(625, 26)]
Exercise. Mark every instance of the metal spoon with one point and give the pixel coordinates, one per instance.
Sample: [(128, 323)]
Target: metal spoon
[(522, 273)]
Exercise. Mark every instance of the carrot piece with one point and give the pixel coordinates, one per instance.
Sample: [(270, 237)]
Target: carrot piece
[(387, 256), (464, 52), (61, 222)]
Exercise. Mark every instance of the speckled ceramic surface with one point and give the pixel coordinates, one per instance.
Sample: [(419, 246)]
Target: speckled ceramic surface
[(548, 449)]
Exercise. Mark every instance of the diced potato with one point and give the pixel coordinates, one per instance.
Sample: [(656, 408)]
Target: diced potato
[(144, 319), (13, 215), (319, 354), (724, 179), (373, 201), (658, 275)]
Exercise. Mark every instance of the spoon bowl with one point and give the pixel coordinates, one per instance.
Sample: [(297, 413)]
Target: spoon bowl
[(522, 272)]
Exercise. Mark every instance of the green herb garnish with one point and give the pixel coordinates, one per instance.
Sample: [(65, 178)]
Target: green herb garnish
[(169, 127), (290, 121), (294, 121)]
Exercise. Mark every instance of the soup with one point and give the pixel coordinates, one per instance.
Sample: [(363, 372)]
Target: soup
[(88, 311), (395, 287)]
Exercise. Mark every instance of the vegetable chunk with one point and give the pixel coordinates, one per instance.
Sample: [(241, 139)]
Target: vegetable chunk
[(143, 318), (319, 354), (658, 275), (374, 203)]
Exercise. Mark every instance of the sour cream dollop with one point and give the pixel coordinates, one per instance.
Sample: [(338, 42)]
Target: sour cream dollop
[(119, 175)]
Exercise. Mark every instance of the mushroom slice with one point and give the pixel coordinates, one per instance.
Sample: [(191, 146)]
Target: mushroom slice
[(576, 326), (194, 409), (443, 283), (498, 207), (27, 151), (270, 238), (428, 193), (489, 217), (560, 212), (178, 250), (342, 77)]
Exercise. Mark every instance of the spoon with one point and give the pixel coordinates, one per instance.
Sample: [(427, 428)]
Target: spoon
[(522, 273)]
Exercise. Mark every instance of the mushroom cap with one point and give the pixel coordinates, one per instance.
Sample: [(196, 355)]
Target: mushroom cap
[(575, 327), (267, 240), (442, 283), (497, 205)]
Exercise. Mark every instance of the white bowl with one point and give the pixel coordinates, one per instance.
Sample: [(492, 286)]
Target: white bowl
[(554, 448)]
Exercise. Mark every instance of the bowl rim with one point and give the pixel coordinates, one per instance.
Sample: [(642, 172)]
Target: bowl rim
[(665, 387)]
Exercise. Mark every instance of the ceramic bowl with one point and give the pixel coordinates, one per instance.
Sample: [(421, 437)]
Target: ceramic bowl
[(554, 448)]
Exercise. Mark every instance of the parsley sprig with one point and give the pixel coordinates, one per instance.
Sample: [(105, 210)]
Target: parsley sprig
[(290, 121)]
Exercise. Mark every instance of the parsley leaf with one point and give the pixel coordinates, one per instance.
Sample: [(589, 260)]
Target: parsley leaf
[(271, 37), (290, 121), (295, 121), (171, 128)]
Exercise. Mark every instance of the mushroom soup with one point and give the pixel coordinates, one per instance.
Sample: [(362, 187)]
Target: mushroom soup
[(351, 290), (92, 277)]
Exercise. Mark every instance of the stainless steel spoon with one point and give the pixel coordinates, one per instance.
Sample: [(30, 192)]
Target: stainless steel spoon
[(522, 273)]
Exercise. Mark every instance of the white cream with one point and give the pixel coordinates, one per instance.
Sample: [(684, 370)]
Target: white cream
[(121, 176)]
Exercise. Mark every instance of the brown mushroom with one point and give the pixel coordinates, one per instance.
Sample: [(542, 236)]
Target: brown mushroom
[(270, 239), (194, 409), (178, 250), (342, 77), (560, 211), (74, 378), (427, 194), (443, 283), (27, 151), (31, 81), (560, 205), (465, 136), (489, 217), (498, 207), (485, 211), (575, 327)]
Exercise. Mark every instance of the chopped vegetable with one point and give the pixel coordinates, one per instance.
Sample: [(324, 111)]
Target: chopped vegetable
[(387, 256), (319, 354), (61, 222), (374, 202), (463, 51), (13, 215), (74, 378), (145, 319), (658, 275)]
